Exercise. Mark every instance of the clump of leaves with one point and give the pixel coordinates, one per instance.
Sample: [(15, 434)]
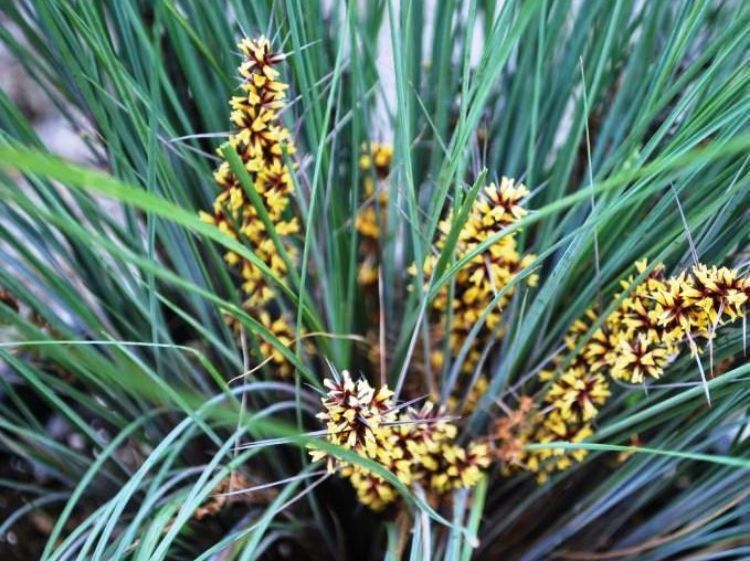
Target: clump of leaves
[(140, 416)]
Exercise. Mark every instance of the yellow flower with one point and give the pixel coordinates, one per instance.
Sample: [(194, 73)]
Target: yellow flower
[(367, 223), (372, 490), (639, 358), (274, 183), (635, 342), (259, 58), (354, 414), (553, 428), (460, 468), (578, 394), (379, 159), (673, 305), (720, 291), (421, 433)]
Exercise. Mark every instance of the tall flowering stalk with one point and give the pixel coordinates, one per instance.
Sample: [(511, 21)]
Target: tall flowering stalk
[(476, 285), (657, 319), (264, 146)]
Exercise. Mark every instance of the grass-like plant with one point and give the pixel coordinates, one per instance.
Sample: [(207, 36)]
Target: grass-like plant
[(377, 280)]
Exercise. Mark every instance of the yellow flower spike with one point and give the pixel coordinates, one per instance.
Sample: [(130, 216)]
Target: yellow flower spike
[(413, 445), (476, 284), (658, 318), (260, 139)]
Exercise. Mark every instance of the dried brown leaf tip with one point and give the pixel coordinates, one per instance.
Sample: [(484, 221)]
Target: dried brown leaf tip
[(234, 489), (7, 299)]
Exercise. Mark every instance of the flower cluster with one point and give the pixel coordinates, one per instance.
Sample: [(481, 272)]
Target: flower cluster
[(487, 271), (656, 318), (660, 316), (476, 284), (263, 145), (356, 417), (375, 164), (282, 329), (418, 445), (481, 287)]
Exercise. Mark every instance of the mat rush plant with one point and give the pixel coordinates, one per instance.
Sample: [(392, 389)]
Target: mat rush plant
[(383, 280)]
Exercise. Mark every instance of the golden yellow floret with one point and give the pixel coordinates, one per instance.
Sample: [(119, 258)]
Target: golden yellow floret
[(577, 394), (281, 328), (459, 467)]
